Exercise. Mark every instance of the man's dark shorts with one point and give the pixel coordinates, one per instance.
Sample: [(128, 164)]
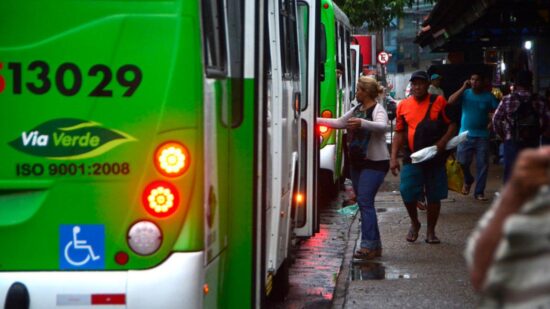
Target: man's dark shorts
[(416, 177)]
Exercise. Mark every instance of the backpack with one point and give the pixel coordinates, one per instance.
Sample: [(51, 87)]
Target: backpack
[(427, 133), (391, 109), (526, 126)]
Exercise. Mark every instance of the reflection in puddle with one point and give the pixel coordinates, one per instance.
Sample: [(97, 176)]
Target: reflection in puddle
[(368, 270)]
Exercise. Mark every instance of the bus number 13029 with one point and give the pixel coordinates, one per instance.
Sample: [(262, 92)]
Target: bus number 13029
[(128, 76)]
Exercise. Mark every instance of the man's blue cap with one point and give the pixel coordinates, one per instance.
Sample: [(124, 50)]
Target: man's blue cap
[(435, 76), (419, 75)]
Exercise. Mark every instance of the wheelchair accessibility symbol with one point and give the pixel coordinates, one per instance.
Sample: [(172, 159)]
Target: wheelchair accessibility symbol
[(82, 247)]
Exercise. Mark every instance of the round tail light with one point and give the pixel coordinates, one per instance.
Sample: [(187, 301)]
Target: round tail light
[(172, 159), (144, 238), (160, 199)]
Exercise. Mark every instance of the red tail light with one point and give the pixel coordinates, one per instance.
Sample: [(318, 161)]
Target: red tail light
[(172, 159), (323, 129), (160, 199)]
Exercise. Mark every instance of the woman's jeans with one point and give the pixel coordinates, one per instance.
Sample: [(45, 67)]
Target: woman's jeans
[(366, 183)]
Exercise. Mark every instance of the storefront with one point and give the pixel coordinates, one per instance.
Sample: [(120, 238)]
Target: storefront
[(507, 35)]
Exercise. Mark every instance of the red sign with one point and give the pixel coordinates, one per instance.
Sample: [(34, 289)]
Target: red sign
[(367, 46), (383, 57)]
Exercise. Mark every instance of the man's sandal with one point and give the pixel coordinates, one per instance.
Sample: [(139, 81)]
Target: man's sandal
[(466, 189), (412, 235), (481, 198), (432, 240)]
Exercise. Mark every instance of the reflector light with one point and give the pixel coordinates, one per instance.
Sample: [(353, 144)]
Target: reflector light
[(326, 114), (144, 238), (299, 198), (205, 289), (323, 129), (160, 199), (121, 258), (172, 159), (325, 6), (108, 299)]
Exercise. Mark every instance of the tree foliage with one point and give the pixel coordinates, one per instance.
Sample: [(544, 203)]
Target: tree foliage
[(377, 13)]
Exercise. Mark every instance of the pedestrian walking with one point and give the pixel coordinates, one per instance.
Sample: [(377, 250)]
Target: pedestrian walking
[(422, 122), (507, 253), (478, 106), (435, 85), (519, 120), (435, 88), (369, 158)]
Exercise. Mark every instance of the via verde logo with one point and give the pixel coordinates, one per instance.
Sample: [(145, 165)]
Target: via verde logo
[(69, 138)]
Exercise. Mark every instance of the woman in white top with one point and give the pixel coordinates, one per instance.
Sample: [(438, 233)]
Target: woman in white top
[(369, 158)]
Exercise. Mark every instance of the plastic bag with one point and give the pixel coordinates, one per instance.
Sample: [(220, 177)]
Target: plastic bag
[(453, 142), (424, 154), (427, 153), (455, 176), (348, 210)]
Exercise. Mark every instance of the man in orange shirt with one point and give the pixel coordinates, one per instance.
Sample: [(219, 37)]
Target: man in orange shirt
[(422, 122)]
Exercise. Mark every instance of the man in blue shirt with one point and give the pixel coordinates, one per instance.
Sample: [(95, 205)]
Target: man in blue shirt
[(478, 105)]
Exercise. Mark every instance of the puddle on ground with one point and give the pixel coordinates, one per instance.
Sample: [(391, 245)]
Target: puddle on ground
[(390, 209), (369, 270)]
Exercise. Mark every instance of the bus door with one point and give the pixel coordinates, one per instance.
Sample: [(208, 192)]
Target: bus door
[(348, 73), (216, 128), (222, 114), (355, 69), (306, 218), (281, 136)]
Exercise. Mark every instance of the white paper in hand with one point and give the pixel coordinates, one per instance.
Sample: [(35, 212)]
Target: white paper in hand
[(453, 142), (427, 153), (424, 154)]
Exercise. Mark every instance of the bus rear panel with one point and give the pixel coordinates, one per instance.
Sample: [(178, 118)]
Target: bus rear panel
[(102, 149)]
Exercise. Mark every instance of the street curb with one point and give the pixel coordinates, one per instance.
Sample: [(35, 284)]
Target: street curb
[(339, 298)]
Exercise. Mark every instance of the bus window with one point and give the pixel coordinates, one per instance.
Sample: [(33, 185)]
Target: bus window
[(322, 51), (343, 51), (353, 65), (336, 35), (235, 26), (288, 36), (303, 41), (348, 59), (214, 38)]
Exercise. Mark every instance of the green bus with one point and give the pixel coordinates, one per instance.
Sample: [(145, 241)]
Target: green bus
[(335, 94), (149, 152)]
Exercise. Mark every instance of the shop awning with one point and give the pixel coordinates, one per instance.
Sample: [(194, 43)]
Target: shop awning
[(453, 25)]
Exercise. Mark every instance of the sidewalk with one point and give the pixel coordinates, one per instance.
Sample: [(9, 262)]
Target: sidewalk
[(414, 275)]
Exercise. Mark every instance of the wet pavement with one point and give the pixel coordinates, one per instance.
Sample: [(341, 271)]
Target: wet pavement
[(318, 261), (414, 275), (408, 275)]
